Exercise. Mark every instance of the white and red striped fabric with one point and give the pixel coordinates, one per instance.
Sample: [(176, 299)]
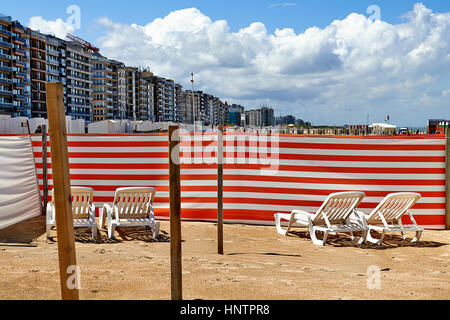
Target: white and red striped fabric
[(309, 169)]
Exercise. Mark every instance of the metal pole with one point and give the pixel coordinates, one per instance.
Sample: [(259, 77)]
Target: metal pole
[(175, 214), (193, 108), (44, 165), (220, 190), (447, 179)]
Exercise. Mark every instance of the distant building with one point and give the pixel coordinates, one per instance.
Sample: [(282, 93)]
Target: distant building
[(235, 114), (433, 125), (290, 119), (383, 129)]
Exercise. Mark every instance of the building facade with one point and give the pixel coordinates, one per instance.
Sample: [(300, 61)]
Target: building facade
[(79, 81)]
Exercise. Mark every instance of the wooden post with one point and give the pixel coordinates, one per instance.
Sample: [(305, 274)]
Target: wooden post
[(44, 165), (220, 190), (61, 187), (175, 213), (447, 179)]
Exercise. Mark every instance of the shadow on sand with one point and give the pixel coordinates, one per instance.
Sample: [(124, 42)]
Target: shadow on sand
[(391, 241), (84, 235)]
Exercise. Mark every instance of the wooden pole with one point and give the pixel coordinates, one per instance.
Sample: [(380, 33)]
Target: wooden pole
[(175, 213), (447, 177), (61, 187), (220, 190), (44, 165)]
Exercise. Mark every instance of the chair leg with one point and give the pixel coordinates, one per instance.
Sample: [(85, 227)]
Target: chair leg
[(315, 240), (363, 238), (417, 237), (278, 225), (49, 228), (94, 232), (111, 230), (155, 229), (373, 240), (102, 216)]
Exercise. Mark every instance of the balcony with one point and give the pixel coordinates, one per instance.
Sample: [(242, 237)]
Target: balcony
[(52, 51), (53, 71), (6, 92), (5, 56), (5, 32), (7, 69), (5, 80), (19, 96), (19, 39), (19, 51), (6, 105)]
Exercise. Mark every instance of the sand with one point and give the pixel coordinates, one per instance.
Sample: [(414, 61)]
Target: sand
[(258, 264)]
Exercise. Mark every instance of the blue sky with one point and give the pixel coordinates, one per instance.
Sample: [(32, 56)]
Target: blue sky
[(327, 63), (299, 16)]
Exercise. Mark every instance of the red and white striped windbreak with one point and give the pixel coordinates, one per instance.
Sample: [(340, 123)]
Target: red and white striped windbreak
[(307, 169)]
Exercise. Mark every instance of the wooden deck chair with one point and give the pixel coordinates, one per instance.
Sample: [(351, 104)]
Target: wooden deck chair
[(332, 217), (387, 216), (83, 210), (132, 207)]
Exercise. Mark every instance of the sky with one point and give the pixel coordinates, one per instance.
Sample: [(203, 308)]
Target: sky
[(327, 62)]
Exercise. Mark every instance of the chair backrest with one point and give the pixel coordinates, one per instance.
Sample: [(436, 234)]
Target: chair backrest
[(393, 207), (338, 207), (82, 198), (133, 203)]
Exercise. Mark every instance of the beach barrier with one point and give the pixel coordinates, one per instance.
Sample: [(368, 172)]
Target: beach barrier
[(308, 169)]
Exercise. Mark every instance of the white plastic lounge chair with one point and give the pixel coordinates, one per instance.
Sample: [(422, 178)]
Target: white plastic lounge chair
[(332, 217), (132, 207), (83, 210), (387, 216)]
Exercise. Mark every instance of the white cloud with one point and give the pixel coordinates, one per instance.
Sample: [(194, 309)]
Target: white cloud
[(371, 67), (59, 28)]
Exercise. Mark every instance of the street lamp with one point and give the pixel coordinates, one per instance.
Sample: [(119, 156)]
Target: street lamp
[(193, 109)]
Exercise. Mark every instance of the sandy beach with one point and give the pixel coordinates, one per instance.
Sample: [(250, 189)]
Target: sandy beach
[(258, 264)]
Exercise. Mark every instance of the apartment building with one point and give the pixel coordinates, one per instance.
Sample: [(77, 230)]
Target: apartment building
[(79, 81), (38, 68), (165, 99), (199, 105), (267, 117), (235, 113), (216, 112), (105, 88), (127, 92), (145, 96), (14, 82)]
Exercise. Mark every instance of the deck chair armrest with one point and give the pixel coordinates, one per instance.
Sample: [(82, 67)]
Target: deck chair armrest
[(92, 212), (411, 217), (302, 213), (296, 211)]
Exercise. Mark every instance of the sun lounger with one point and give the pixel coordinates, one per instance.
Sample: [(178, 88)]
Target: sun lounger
[(83, 210), (387, 216), (332, 217), (131, 207)]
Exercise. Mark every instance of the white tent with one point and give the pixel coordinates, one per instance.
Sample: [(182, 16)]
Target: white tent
[(20, 198)]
